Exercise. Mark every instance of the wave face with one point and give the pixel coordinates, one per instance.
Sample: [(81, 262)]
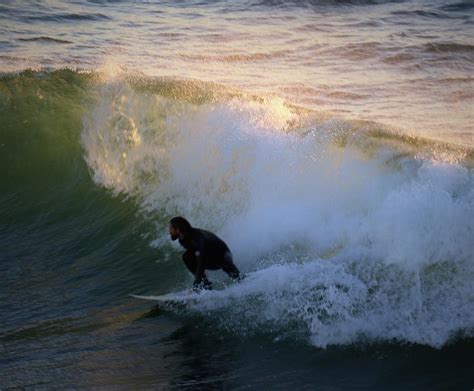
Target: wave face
[(348, 232), (351, 233)]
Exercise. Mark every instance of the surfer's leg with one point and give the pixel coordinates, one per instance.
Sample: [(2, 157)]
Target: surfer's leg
[(229, 267), (190, 261)]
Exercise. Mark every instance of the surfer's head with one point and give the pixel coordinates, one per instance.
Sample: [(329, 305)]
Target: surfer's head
[(179, 228)]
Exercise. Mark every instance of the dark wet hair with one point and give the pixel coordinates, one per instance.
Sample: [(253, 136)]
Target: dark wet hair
[(181, 223)]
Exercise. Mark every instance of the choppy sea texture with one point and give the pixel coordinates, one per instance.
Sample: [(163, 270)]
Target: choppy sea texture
[(405, 64)]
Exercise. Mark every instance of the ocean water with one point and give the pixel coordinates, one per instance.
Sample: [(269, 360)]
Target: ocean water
[(329, 143)]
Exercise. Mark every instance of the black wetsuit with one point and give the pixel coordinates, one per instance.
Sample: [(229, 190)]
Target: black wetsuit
[(205, 251)]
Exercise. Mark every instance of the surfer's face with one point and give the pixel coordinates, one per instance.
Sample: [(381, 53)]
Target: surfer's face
[(174, 233)]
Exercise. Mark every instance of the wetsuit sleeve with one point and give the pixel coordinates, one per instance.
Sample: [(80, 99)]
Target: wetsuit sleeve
[(200, 257)]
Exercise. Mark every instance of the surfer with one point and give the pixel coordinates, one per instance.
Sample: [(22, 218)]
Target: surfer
[(204, 251)]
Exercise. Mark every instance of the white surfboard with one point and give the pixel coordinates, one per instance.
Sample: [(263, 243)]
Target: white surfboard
[(180, 297)]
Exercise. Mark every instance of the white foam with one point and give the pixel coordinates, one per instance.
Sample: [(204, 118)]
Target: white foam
[(387, 243)]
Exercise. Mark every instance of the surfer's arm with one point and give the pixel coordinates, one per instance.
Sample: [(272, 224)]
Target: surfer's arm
[(200, 257)]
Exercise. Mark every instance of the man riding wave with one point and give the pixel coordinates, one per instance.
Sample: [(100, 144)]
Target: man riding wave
[(204, 251)]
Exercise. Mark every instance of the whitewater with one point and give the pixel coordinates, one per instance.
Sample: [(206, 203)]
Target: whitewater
[(350, 239)]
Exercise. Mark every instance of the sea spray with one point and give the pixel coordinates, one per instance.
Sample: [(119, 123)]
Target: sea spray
[(386, 236)]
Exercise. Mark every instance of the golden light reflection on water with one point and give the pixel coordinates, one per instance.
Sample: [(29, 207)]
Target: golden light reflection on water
[(355, 63)]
